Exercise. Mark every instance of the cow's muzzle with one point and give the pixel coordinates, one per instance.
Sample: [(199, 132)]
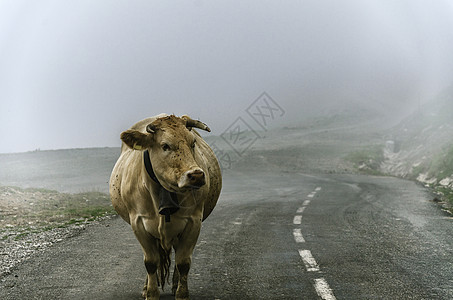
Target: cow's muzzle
[(194, 178)]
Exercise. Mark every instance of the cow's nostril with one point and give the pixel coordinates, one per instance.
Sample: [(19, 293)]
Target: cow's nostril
[(196, 178), (193, 178)]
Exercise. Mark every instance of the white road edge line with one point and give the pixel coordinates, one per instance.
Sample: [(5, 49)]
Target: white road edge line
[(297, 232), (311, 195), (309, 261), (323, 289), (318, 189), (300, 210), (306, 202), (297, 220)]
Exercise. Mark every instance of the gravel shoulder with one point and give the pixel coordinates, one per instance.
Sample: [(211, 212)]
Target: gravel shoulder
[(32, 220)]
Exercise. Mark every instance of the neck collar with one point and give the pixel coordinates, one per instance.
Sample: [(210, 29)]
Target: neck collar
[(149, 167), (168, 201)]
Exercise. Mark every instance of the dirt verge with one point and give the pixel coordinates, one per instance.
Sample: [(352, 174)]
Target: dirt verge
[(33, 219)]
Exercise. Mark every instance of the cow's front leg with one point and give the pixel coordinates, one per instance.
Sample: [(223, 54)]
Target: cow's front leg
[(175, 280), (150, 246), (183, 257)]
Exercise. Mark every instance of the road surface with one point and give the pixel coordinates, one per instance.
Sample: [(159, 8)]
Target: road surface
[(272, 236)]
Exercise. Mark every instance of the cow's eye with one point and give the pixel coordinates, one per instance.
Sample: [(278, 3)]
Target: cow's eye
[(165, 147)]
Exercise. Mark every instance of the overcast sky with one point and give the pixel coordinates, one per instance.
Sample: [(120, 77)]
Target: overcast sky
[(77, 73)]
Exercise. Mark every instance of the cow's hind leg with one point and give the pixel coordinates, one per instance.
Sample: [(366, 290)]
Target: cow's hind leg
[(150, 246)]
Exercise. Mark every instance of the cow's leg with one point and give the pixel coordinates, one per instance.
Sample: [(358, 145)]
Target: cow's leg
[(145, 287), (175, 280), (183, 257), (150, 246)]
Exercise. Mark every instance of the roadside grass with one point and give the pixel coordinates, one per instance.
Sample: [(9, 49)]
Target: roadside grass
[(446, 195), (367, 160), (441, 165), (30, 211), (438, 166)]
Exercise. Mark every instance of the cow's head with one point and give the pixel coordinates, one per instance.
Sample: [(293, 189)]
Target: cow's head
[(171, 144)]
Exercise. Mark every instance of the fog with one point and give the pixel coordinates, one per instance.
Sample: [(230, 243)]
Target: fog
[(77, 73)]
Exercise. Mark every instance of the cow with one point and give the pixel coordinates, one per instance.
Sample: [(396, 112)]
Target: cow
[(166, 181)]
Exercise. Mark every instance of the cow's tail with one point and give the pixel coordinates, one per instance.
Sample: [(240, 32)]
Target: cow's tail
[(164, 266)]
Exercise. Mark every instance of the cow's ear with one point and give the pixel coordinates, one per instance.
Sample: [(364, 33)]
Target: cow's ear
[(136, 140)]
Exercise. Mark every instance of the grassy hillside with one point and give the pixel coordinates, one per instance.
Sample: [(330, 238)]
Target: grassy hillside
[(423, 145), (42, 190), (424, 142), (32, 210), (322, 144)]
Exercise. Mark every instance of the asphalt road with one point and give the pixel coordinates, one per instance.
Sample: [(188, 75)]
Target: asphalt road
[(272, 236)]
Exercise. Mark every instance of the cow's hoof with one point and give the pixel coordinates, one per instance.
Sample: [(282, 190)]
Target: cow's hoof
[(150, 295), (144, 292), (182, 295)]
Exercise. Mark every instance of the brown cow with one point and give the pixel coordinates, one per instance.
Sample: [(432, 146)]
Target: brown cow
[(165, 183)]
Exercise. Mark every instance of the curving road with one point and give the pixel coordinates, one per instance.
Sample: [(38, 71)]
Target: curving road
[(272, 236)]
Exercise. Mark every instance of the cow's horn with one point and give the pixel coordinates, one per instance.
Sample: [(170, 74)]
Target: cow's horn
[(150, 128), (190, 123)]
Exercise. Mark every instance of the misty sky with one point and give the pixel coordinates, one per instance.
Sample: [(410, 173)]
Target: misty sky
[(77, 73)]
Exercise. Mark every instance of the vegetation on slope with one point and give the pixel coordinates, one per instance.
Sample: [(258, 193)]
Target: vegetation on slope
[(25, 211), (425, 146), (367, 160)]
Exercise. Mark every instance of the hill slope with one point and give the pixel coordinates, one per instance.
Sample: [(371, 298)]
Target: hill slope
[(421, 146)]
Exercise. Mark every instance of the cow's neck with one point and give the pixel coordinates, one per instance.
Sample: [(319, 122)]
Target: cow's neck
[(168, 201)]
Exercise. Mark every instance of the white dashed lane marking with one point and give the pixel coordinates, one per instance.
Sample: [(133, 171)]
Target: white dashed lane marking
[(297, 232), (320, 284), (238, 221), (323, 289), (309, 261), (300, 210)]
